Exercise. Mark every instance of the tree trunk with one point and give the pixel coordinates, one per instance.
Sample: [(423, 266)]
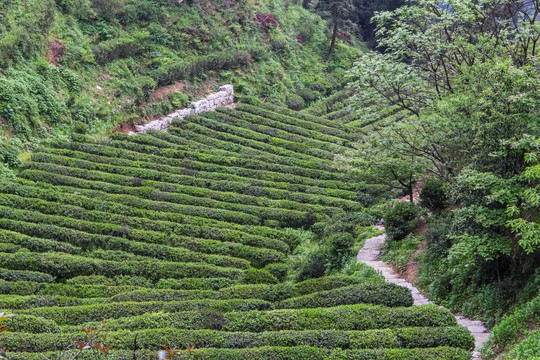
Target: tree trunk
[(333, 43), (411, 190)]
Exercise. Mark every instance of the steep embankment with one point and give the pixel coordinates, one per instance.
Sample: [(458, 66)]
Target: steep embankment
[(92, 65)]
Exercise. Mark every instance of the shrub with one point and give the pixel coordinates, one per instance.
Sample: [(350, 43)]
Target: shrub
[(309, 95), (433, 196), (326, 283), (313, 267), (295, 102), (400, 220), (528, 348), (330, 339), (279, 270), (80, 127), (25, 275), (378, 293), (287, 353), (259, 276), (338, 250)]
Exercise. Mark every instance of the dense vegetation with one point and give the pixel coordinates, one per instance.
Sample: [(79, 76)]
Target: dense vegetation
[(93, 64), (452, 103), (235, 231), (181, 238)]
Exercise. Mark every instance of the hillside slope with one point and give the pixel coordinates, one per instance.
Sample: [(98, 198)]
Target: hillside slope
[(94, 64), (179, 238)]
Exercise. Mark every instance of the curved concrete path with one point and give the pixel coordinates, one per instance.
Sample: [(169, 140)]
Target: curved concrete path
[(369, 254)]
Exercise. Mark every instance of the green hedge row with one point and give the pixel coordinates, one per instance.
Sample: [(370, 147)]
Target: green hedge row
[(65, 266), (192, 134), (190, 130), (35, 244), (317, 123), (68, 290), (151, 199), (195, 284), (315, 186), (241, 178), (88, 241), (185, 131), (347, 317), (200, 142), (25, 275), (287, 353), (326, 283), (266, 292), (178, 225), (14, 302), (127, 144), (126, 168), (147, 243), (124, 176), (209, 121), (285, 123), (260, 196), (61, 175), (213, 156), (246, 121), (80, 314), (377, 293), (456, 337)]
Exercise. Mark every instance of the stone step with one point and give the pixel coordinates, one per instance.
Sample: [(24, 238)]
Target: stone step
[(369, 255)]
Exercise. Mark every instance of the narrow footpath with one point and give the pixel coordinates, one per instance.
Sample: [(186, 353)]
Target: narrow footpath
[(369, 255)]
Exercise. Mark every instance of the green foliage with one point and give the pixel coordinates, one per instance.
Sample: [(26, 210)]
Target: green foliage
[(433, 196), (400, 220), (478, 140), (512, 328), (259, 276), (295, 102), (527, 349), (399, 253), (378, 293), (338, 250)]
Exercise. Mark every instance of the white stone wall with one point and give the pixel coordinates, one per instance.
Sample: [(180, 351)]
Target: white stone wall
[(224, 97)]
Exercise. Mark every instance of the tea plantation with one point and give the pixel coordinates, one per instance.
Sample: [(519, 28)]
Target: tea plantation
[(179, 238)]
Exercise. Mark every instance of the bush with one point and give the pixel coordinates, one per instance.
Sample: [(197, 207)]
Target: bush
[(279, 270), (338, 250), (400, 220), (80, 127), (313, 267), (326, 283), (433, 196), (80, 314), (25, 275), (259, 276), (308, 95), (457, 337), (378, 293), (527, 349), (295, 102), (287, 353)]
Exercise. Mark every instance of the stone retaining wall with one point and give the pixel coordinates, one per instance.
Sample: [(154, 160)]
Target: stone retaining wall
[(224, 97)]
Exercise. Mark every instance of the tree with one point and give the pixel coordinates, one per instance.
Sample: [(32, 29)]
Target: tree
[(383, 159), (466, 74), (340, 15)]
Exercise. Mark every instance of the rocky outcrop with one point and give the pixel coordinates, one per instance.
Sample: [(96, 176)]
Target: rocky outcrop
[(224, 97)]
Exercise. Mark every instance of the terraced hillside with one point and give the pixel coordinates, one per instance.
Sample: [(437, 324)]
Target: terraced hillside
[(338, 109), (180, 238)]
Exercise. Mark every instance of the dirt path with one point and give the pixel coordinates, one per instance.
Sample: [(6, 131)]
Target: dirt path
[(369, 255)]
